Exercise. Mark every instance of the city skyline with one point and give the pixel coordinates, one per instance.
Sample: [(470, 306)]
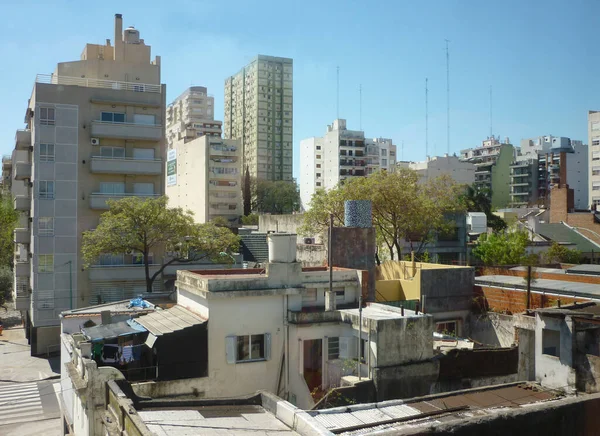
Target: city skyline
[(542, 80)]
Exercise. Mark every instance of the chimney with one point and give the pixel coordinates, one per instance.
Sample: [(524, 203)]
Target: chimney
[(118, 37), (106, 317)]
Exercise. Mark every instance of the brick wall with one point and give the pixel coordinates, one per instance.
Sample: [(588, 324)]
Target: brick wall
[(595, 280), (558, 204), (514, 300)]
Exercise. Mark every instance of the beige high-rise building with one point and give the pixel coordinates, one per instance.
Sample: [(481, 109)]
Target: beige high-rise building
[(204, 176), (94, 131), (194, 109), (594, 157), (259, 112)]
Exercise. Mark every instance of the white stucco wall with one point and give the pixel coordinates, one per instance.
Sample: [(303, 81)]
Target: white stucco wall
[(555, 372)]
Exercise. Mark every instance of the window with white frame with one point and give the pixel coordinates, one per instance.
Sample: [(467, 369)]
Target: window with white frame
[(46, 263), (384, 162), (46, 152), (596, 141), (47, 116), (596, 126), (384, 152), (112, 188), (595, 186), (333, 348), (596, 155), (112, 117), (112, 152), (45, 299), (447, 327), (45, 226), (46, 189), (248, 348)]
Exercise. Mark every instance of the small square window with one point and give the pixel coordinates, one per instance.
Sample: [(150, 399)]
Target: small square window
[(46, 189), (46, 263), (47, 116), (45, 226), (46, 152)]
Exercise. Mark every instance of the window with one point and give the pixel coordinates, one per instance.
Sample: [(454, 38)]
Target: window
[(384, 162), (143, 188), (595, 186), (383, 152), (46, 152), (113, 117), (111, 259), (112, 152), (248, 348), (137, 258), (318, 147), (340, 294), (112, 188), (447, 327), (596, 126), (45, 226), (46, 263), (47, 116), (596, 155), (333, 348), (595, 171), (318, 165), (46, 189), (596, 141), (318, 156), (318, 183), (551, 342)]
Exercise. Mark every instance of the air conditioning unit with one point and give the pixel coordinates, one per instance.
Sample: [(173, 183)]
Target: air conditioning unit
[(95, 141), (348, 347)]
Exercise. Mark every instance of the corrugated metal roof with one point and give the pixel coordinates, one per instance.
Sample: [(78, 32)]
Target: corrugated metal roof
[(575, 289), (111, 331), (163, 322)]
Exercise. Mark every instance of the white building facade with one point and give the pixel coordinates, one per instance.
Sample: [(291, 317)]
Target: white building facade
[(338, 155), (594, 157), (462, 172)]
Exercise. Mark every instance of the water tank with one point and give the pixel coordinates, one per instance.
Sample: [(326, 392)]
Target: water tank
[(357, 213), (131, 35), (282, 247)]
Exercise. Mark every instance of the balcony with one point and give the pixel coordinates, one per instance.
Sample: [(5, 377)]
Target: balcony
[(22, 170), (54, 79), (7, 161), (106, 165), (22, 269), (120, 272), (23, 139), (519, 193), (144, 132), (22, 203), (98, 200), (22, 236)]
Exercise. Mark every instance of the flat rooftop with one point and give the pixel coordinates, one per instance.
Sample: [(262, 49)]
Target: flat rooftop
[(429, 411), (215, 420), (379, 312), (575, 289)]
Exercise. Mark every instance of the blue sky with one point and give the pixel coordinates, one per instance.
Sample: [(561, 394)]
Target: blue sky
[(541, 57)]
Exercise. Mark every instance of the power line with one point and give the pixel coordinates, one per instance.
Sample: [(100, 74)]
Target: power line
[(426, 119), (491, 125), (360, 106), (448, 93)]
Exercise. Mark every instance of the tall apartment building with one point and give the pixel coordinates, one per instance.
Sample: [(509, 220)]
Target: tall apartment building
[(338, 155), (594, 157), (259, 112), (94, 132), (461, 172), (193, 110), (204, 175), (538, 168), (492, 168)]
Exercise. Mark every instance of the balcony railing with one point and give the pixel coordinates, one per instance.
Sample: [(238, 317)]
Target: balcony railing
[(97, 83), (98, 199), (148, 132), (22, 269), (22, 236), (125, 165), (22, 170)]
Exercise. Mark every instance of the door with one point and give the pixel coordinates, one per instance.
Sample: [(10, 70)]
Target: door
[(313, 364)]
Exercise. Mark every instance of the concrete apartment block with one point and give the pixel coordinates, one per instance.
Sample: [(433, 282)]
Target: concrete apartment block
[(94, 132), (259, 112)]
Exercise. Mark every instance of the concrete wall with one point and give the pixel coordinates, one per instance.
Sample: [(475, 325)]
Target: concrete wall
[(311, 254), (492, 329), (555, 372), (405, 381)]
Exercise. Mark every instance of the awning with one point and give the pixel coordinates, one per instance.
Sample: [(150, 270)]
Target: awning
[(163, 322), (112, 331)]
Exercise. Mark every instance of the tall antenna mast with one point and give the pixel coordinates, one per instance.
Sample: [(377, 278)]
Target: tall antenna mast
[(491, 125), (402, 151), (448, 93), (426, 120), (360, 106), (337, 115)]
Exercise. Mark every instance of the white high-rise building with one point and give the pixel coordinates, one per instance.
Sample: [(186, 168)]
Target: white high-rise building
[(594, 157), (338, 155), (192, 110), (462, 172)]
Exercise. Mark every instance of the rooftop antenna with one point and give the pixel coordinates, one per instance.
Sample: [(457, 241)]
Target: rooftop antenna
[(491, 125), (360, 106), (337, 116), (426, 119), (448, 93), (402, 151)]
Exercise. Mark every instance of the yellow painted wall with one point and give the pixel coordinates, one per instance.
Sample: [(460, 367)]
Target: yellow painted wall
[(389, 290)]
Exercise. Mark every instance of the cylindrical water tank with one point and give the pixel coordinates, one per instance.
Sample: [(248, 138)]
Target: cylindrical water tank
[(131, 35), (282, 247), (357, 213)]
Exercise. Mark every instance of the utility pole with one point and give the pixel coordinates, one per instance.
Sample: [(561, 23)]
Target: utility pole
[(448, 93), (426, 119), (528, 302)]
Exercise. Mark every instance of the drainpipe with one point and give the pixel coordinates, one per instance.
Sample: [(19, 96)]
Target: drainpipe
[(330, 296), (286, 345), (359, 334), (414, 264)]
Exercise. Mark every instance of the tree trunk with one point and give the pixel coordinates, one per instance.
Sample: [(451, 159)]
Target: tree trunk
[(377, 257), (147, 270)]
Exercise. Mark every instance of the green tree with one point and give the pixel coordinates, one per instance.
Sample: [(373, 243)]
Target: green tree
[(8, 221), (250, 220), (504, 248), (277, 197), (561, 254), (477, 198), (143, 225), (6, 284), (220, 221)]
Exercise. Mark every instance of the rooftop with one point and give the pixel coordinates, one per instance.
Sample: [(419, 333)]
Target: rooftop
[(168, 321), (117, 307), (559, 232), (379, 312), (583, 290)]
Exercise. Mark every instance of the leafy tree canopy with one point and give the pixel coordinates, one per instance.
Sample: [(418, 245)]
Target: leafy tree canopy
[(560, 253), (477, 198), (503, 248), (8, 221), (276, 197), (145, 225)]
